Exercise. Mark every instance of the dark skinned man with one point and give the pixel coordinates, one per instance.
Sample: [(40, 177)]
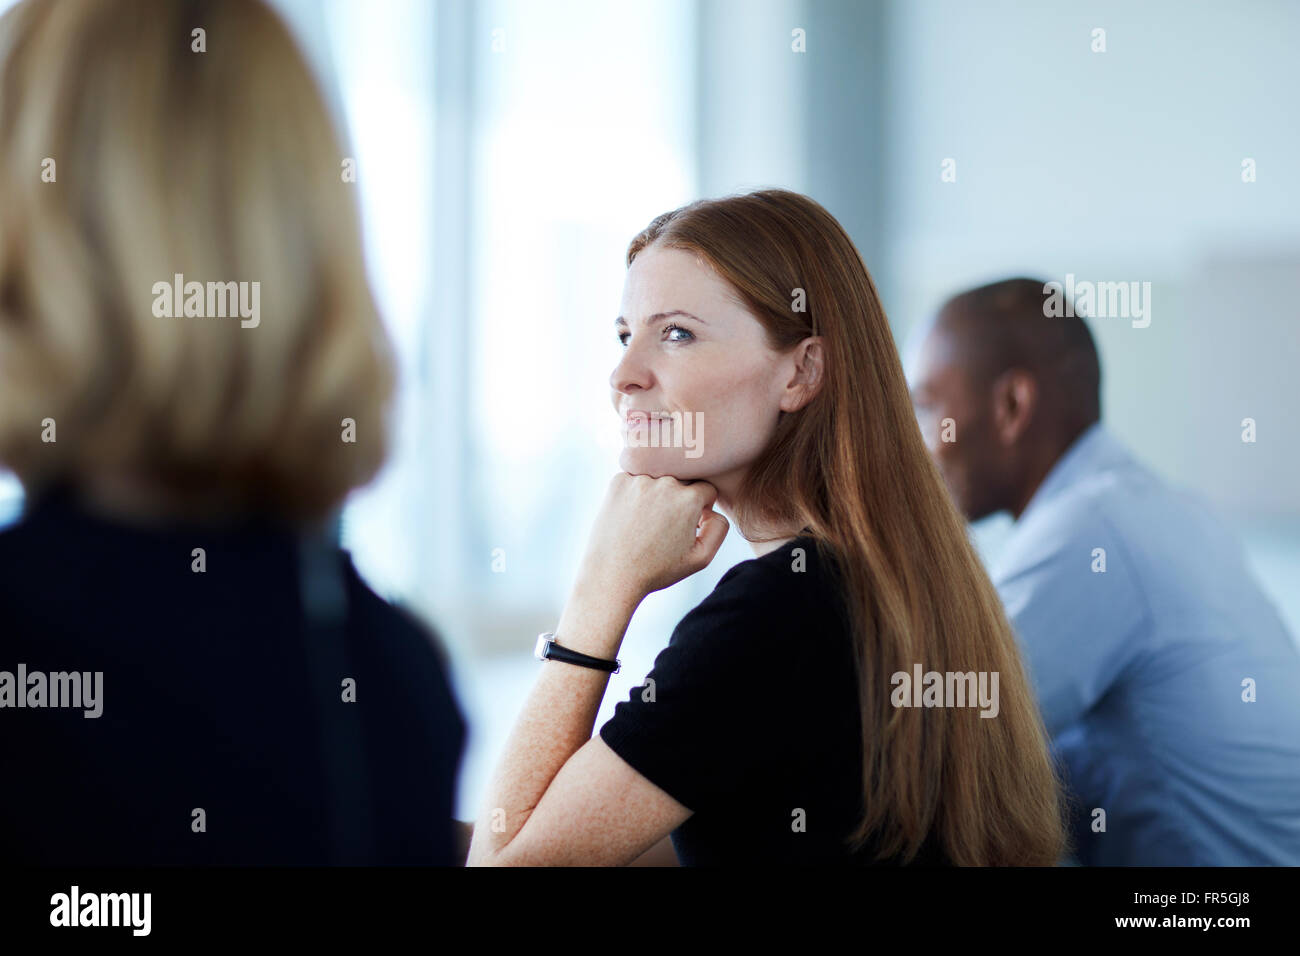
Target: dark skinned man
[(1167, 681)]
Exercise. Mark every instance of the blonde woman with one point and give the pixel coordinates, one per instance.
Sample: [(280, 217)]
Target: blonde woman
[(192, 377), (793, 717)]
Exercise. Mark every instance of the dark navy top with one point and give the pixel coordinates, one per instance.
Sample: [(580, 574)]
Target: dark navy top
[(224, 691)]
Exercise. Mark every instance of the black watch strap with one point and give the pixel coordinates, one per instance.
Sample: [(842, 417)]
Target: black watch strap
[(549, 650)]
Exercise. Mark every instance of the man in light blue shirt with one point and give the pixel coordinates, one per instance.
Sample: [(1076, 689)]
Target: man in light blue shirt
[(1167, 681)]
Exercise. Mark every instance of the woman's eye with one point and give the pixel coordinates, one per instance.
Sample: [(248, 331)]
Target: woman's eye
[(669, 332)]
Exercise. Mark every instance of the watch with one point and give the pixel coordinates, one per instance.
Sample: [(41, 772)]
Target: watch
[(549, 650)]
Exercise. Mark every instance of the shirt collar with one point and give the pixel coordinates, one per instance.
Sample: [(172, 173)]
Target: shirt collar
[(1091, 451)]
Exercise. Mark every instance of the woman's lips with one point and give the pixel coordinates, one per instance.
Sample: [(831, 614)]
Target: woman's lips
[(633, 419)]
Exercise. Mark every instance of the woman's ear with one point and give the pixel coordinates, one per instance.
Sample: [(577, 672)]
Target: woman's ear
[(809, 374)]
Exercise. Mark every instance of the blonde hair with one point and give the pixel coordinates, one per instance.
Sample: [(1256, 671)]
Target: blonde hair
[(128, 157)]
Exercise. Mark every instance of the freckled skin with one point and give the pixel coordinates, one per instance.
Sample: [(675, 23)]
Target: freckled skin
[(566, 797), (719, 367)]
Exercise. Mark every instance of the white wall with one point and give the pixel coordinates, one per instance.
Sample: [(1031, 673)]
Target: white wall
[(1123, 165)]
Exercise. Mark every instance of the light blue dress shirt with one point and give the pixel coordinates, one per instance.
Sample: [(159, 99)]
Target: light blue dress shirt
[(1140, 669)]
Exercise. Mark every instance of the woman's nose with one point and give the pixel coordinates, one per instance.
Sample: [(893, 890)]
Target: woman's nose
[(631, 372)]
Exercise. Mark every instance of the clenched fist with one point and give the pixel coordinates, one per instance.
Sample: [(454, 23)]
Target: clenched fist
[(652, 533)]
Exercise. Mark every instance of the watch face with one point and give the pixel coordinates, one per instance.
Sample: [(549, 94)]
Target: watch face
[(540, 650)]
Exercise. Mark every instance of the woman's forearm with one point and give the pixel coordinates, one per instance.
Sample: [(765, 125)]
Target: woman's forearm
[(556, 720), (650, 533)]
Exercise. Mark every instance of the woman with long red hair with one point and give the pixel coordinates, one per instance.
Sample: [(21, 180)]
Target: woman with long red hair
[(786, 721)]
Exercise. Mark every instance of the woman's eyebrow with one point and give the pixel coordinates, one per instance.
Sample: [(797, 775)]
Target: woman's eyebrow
[(662, 315)]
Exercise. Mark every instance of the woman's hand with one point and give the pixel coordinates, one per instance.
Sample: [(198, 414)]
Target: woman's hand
[(645, 537)]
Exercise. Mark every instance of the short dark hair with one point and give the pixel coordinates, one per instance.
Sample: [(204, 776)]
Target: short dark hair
[(1005, 325)]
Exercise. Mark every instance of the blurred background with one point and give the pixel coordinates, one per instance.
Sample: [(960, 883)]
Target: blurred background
[(508, 150)]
